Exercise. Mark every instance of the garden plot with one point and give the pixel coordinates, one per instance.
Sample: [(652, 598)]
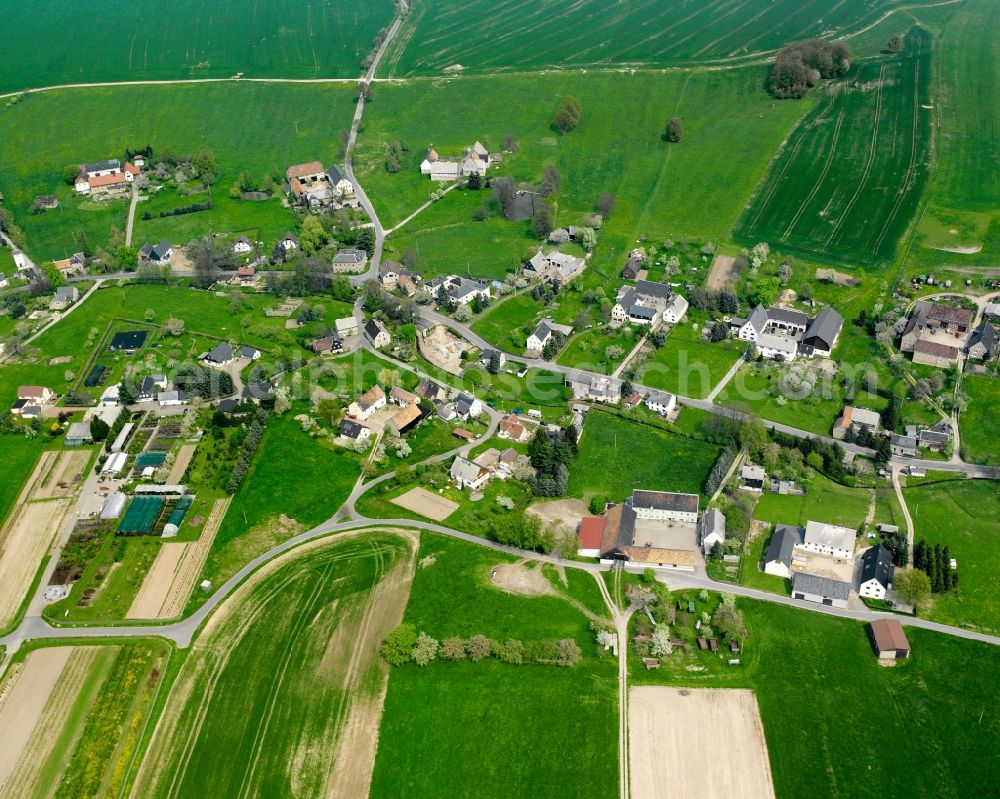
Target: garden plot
[(443, 349), (426, 503), (170, 580), (57, 475), (663, 723), (722, 272)]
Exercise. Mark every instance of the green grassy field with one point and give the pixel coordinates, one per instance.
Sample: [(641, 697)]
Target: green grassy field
[(292, 476), (589, 349), (289, 124), (617, 456), (267, 661), (964, 515), (967, 107), (686, 364), (491, 729), (19, 456), (826, 501), (698, 187), (529, 35), (978, 424), (185, 39), (935, 709), (848, 182)]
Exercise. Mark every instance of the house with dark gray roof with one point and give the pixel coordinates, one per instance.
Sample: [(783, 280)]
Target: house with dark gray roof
[(665, 505), (903, 445), (876, 572), (822, 334), (376, 333), (221, 354), (983, 344), (821, 590), (156, 253), (778, 555)]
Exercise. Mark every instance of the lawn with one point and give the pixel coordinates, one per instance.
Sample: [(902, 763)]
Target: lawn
[(448, 239), (589, 350), (529, 36), (617, 456), (290, 123), (849, 180), (504, 324), (963, 514), (978, 424), (185, 39), (289, 659), (759, 386), (698, 187), (490, 729), (686, 364), (824, 501), (431, 437), (931, 707)]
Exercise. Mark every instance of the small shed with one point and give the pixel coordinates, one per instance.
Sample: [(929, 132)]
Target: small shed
[(713, 644), (888, 639), (702, 644)]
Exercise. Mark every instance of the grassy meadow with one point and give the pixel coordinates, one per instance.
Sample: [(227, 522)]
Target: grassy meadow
[(827, 501), (185, 39), (964, 515), (488, 728), (288, 124), (687, 364), (698, 187), (531, 36), (934, 712), (617, 456), (292, 657), (980, 430), (848, 182)]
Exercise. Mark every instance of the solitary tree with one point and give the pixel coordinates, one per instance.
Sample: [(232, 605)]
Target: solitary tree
[(475, 181), (503, 193), (544, 219), (675, 130), (551, 180), (568, 115), (205, 166), (895, 44), (494, 364), (606, 204), (913, 586)]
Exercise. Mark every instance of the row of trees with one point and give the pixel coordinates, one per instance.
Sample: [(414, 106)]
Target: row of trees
[(935, 562), (405, 645), (255, 432), (551, 456), (719, 470)]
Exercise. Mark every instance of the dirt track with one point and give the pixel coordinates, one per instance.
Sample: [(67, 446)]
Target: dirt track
[(722, 271), (426, 503), (665, 728), (184, 455)]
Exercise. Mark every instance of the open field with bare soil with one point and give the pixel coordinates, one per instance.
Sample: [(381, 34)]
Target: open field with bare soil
[(57, 475), (184, 456), (665, 722), (426, 503), (169, 582), (282, 692), (23, 543)]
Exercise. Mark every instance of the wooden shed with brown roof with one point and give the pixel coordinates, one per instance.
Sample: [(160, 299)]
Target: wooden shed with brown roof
[(888, 639)]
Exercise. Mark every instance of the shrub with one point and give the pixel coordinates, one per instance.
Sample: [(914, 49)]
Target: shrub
[(478, 647), (398, 646)]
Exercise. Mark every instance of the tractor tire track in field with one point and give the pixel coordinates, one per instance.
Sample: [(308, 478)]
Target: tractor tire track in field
[(869, 161), (302, 621), (214, 667), (819, 181), (820, 118), (911, 169)]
